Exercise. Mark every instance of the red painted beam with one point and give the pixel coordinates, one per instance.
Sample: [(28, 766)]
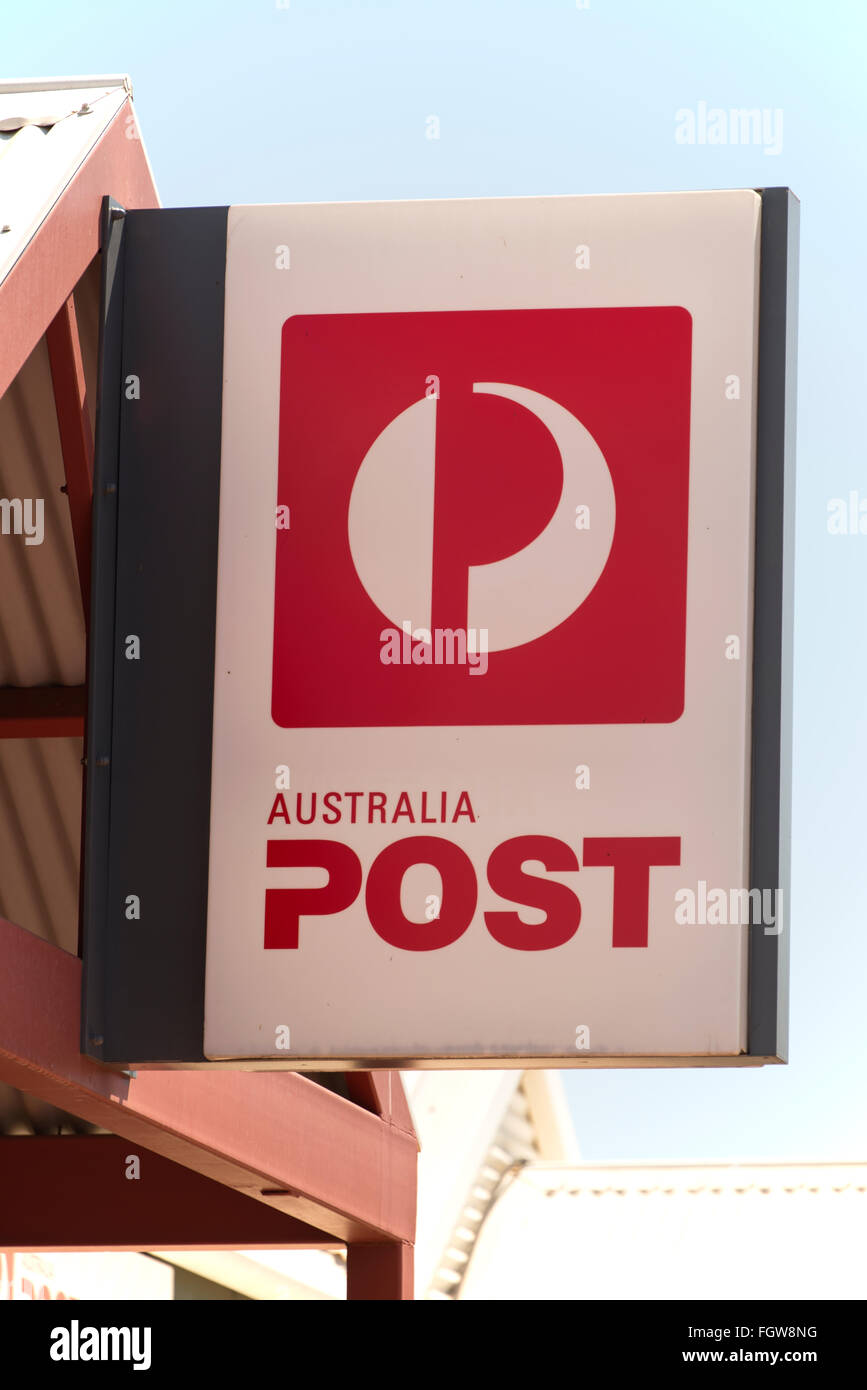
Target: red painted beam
[(82, 1192), (275, 1136), (65, 243), (379, 1273), (76, 435), (42, 711), (382, 1093)]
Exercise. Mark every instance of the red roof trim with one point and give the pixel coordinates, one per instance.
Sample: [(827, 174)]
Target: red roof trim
[(65, 243)]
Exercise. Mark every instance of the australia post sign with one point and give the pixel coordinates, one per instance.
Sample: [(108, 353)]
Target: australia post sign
[(441, 634)]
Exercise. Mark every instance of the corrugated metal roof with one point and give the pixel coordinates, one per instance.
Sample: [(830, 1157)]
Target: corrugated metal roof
[(41, 617), (42, 630), (46, 131), (42, 642), (40, 834), (514, 1144)]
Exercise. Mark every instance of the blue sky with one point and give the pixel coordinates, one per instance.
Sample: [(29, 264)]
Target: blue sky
[(251, 102)]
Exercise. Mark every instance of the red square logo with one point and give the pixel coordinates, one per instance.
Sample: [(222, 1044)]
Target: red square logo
[(487, 518)]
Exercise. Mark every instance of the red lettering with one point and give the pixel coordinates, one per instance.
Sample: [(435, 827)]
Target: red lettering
[(376, 803), (463, 808), (631, 859), (278, 810), (459, 893), (507, 878), (284, 907), (403, 808)]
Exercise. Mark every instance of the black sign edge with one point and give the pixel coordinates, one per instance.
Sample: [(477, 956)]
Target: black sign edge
[(100, 683), (105, 1035), (773, 621)]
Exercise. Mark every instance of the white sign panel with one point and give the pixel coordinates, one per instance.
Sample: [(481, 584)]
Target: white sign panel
[(483, 678)]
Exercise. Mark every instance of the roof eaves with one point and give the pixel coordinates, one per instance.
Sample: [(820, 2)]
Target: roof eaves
[(57, 84), (41, 152)]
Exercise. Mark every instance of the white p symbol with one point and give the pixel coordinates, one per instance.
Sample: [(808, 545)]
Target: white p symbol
[(517, 599)]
